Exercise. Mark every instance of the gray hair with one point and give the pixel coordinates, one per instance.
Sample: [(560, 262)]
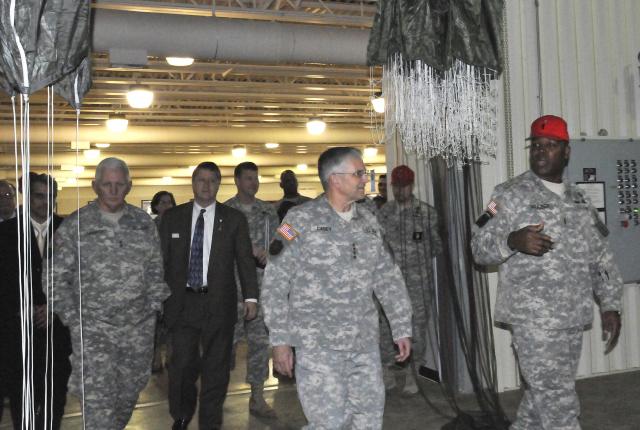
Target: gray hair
[(332, 159), (112, 163)]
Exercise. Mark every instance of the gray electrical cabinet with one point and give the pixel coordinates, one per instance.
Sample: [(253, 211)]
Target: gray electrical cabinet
[(608, 170)]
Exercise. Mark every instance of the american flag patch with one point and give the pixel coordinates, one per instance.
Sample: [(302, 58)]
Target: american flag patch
[(492, 208), (287, 231)]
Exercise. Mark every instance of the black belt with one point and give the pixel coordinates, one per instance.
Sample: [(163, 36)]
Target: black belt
[(201, 290)]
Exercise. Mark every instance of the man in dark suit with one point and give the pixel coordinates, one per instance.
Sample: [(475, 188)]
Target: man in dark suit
[(201, 241), (51, 364)]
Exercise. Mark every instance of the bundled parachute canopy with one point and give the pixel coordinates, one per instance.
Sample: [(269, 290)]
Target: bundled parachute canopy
[(45, 42)]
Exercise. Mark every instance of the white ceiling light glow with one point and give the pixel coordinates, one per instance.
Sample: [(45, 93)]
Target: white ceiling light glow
[(316, 126), (117, 123), (239, 151), (102, 145), (377, 102), (302, 167), (179, 61), (140, 97), (370, 151), (271, 145), (91, 154)]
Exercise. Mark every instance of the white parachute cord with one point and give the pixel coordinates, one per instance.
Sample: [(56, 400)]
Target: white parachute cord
[(26, 312), (77, 100), (48, 380), (19, 242)]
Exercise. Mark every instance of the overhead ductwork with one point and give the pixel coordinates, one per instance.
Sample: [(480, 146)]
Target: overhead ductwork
[(228, 40)]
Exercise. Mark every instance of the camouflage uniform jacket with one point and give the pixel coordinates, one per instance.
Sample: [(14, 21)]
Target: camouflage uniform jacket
[(413, 236), (318, 292), (263, 220), (121, 267), (553, 291)]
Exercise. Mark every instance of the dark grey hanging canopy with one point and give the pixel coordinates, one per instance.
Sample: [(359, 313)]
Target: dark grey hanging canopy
[(437, 32), (45, 42)]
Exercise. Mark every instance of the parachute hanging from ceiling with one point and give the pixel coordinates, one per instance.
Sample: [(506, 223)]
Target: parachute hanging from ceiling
[(441, 59), (45, 42)]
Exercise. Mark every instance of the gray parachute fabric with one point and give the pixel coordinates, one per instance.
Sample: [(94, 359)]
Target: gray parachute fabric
[(438, 32), (45, 42)]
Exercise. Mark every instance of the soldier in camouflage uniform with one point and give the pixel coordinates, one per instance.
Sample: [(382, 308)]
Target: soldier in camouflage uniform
[(318, 297), (552, 253), (263, 221), (411, 230), (109, 298)]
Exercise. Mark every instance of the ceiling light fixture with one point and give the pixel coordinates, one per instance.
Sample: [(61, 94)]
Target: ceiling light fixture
[(80, 145), (316, 126), (370, 151), (91, 154), (78, 169), (167, 179), (377, 101), (302, 167), (117, 123), (239, 151), (102, 145), (271, 145), (179, 61), (140, 97)]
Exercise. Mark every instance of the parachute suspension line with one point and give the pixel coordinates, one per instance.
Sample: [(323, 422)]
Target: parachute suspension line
[(47, 259), (23, 56), (84, 421), (24, 263)]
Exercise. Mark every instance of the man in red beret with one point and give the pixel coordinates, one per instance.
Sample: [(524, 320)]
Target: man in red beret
[(552, 255), (411, 230)]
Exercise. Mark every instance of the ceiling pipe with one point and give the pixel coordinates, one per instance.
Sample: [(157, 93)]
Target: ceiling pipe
[(201, 135), (228, 39)]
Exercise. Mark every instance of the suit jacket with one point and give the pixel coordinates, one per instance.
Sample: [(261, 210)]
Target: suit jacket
[(230, 244), (9, 268)]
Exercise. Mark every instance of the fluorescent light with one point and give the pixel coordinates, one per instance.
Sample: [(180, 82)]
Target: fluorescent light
[(71, 181), (316, 126), (370, 151), (80, 145), (91, 154), (167, 179), (239, 151), (140, 97), (179, 61), (117, 123), (302, 166), (102, 145), (78, 169), (271, 145), (378, 103)]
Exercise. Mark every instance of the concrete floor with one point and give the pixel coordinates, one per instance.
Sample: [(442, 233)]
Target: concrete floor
[(608, 403)]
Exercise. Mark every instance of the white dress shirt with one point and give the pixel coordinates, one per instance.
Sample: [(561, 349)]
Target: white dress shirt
[(209, 219), (40, 231)]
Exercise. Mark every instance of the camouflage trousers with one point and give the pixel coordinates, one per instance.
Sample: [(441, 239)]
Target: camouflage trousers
[(117, 366), (340, 389), (548, 362), (257, 337)]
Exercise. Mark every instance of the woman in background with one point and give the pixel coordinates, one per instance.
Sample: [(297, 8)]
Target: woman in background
[(161, 202)]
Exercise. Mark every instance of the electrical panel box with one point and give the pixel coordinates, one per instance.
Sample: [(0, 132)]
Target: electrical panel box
[(608, 170)]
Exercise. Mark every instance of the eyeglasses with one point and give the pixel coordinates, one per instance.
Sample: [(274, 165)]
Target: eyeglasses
[(551, 145), (7, 195), (358, 173)]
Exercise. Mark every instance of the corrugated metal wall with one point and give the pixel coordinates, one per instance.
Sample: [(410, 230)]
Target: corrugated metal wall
[(577, 59)]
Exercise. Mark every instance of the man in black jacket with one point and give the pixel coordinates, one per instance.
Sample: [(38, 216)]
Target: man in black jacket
[(49, 343)]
